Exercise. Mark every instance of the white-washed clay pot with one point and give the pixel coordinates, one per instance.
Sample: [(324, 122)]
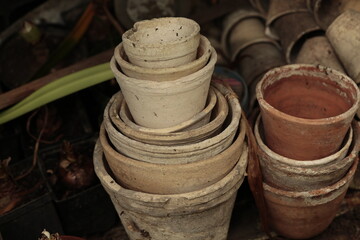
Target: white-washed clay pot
[(243, 28), (305, 214), (169, 176), (306, 110), (196, 215), (164, 74), (165, 104), (182, 153), (173, 138), (318, 50), (196, 121), (344, 36), (162, 42), (325, 12), (293, 175)]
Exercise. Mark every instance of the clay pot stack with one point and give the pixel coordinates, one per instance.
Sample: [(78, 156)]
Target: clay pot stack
[(171, 151), (308, 145)]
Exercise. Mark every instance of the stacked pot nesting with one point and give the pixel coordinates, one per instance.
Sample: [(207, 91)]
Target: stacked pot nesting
[(308, 145), (171, 152)]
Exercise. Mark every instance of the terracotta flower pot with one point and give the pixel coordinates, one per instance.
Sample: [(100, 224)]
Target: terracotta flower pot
[(195, 215), (325, 12), (344, 34), (306, 110), (300, 215), (168, 103), (293, 175), (163, 74), (174, 138), (198, 120), (171, 176), (302, 25), (180, 153), (162, 42), (318, 50)]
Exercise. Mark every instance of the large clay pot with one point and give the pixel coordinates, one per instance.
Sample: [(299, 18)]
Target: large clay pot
[(325, 12), (293, 175), (344, 35), (302, 25), (194, 215), (306, 110), (163, 74), (172, 138), (162, 42), (198, 120), (168, 103), (300, 215), (180, 153), (171, 177), (318, 50)]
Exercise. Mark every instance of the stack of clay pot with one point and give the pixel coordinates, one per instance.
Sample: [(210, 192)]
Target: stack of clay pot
[(308, 145), (171, 151)]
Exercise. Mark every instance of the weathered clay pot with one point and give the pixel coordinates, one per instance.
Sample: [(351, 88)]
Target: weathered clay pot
[(162, 42), (195, 215), (306, 110), (168, 103), (280, 8), (293, 175), (344, 34), (198, 120), (180, 153), (325, 12), (163, 74), (302, 26), (318, 50), (243, 28), (300, 215), (258, 59), (171, 176), (311, 5), (174, 138)]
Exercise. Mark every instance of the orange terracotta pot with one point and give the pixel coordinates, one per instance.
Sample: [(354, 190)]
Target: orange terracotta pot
[(306, 110)]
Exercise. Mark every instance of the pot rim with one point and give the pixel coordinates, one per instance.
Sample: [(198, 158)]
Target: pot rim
[(305, 163), (164, 198), (320, 121), (155, 86), (317, 192), (204, 43), (128, 33)]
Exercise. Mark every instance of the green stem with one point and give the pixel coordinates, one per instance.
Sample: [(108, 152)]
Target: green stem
[(55, 93)]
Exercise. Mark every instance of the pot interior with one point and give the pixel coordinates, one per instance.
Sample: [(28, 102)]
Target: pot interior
[(309, 97)]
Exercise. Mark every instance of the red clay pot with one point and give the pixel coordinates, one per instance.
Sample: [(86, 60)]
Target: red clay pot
[(306, 110), (300, 215)]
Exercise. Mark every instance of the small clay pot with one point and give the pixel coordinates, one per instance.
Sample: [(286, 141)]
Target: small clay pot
[(261, 5), (258, 59), (302, 26), (163, 74), (318, 50), (306, 175), (306, 110), (162, 42), (344, 34), (220, 113), (198, 120), (302, 215), (325, 12), (280, 8), (165, 104)]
